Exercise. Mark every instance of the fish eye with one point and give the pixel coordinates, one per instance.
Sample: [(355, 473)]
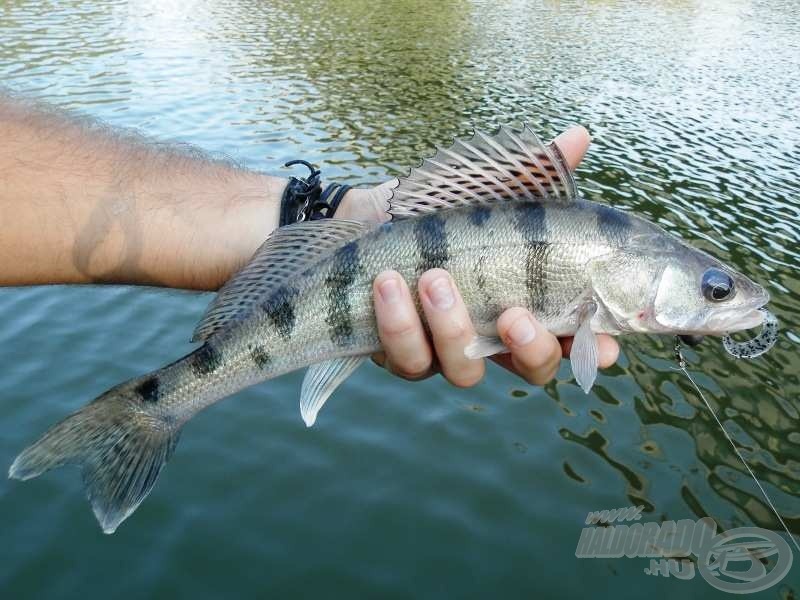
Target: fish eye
[(717, 285)]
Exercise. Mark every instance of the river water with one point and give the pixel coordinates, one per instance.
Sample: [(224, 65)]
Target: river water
[(418, 489)]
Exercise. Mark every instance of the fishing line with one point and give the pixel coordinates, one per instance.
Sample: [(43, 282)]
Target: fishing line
[(682, 367)]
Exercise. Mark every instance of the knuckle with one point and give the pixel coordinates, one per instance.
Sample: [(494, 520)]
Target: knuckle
[(465, 377), (536, 370), (398, 327), (541, 376), (411, 376), (451, 327), (508, 317), (537, 380), (536, 377), (548, 355), (412, 368), (533, 359), (379, 358), (452, 331)]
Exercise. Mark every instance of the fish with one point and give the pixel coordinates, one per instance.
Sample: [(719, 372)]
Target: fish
[(501, 212)]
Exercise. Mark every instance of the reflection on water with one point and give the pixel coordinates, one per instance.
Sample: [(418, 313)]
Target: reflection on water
[(693, 111)]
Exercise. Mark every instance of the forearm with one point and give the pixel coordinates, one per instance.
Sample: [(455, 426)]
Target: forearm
[(81, 204)]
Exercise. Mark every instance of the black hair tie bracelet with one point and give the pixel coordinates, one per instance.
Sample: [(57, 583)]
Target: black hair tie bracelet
[(329, 201), (304, 200)]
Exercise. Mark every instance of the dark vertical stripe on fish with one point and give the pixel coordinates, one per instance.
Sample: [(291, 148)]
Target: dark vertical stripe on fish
[(479, 215), (280, 309), (432, 245), (614, 225), (536, 254), (345, 266), (386, 227), (260, 356), (148, 389), (489, 306), (531, 223), (205, 360), (480, 275)]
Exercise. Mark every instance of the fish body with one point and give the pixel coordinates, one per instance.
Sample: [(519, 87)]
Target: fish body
[(525, 254), (500, 214)]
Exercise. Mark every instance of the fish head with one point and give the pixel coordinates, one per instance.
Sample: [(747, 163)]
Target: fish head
[(666, 286), (697, 294)]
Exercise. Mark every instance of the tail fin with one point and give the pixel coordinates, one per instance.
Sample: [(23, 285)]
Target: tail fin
[(120, 446)]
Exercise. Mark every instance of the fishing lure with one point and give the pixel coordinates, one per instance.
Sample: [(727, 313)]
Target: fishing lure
[(758, 345)]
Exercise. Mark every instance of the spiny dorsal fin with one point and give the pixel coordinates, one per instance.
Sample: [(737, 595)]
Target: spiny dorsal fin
[(484, 169), (286, 252)]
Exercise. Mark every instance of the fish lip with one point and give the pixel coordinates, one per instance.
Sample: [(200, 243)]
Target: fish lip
[(745, 316), (762, 299), (736, 319)]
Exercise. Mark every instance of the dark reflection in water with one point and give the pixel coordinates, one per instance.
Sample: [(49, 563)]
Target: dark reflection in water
[(758, 418), (693, 112)]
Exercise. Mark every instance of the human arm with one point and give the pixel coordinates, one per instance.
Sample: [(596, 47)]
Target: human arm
[(82, 203)]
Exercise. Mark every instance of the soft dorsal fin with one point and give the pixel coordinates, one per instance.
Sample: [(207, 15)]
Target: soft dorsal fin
[(284, 254), (483, 169)]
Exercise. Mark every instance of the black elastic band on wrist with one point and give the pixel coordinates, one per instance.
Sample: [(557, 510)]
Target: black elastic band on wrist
[(324, 208), (304, 200), (299, 195)]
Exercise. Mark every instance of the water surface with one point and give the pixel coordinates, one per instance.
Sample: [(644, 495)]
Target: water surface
[(417, 489)]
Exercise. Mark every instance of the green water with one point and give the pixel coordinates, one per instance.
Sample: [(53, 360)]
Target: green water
[(420, 489)]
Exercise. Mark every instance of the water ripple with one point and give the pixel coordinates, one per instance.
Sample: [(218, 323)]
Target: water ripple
[(417, 489)]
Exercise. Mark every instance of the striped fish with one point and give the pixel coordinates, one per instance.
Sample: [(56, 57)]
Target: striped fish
[(501, 213)]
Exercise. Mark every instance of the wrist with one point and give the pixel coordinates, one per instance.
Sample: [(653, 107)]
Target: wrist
[(250, 214), (366, 204)]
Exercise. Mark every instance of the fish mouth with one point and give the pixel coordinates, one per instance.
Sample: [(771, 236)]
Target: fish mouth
[(740, 317), (735, 320)]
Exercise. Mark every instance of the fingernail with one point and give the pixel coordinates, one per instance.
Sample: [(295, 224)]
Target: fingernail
[(390, 291), (441, 293), (522, 331)]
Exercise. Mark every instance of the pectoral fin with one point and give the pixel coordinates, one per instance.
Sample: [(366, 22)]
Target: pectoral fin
[(584, 354), (320, 382), (482, 346)]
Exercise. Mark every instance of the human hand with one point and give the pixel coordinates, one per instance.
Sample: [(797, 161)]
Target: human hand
[(535, 353)]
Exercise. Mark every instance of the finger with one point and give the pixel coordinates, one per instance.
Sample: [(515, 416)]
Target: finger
[(451, 328), (379, 358), (407, 350), (573, 144), (607, 349), (535, 352)]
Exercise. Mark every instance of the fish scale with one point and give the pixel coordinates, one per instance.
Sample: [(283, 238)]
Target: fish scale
[(500, 213)]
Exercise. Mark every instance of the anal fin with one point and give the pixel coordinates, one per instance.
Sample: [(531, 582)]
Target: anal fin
[(482, 346)]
